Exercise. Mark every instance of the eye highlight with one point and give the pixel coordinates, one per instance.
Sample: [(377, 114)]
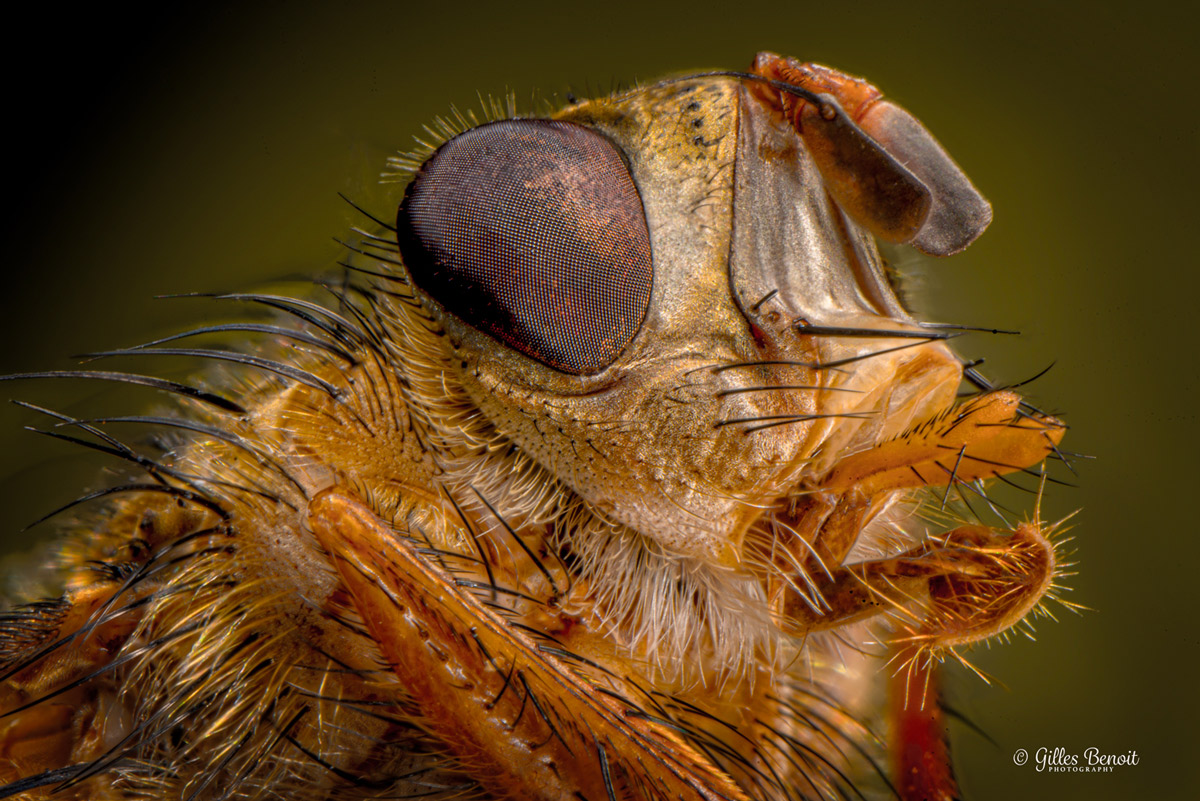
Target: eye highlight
[(533, 232)]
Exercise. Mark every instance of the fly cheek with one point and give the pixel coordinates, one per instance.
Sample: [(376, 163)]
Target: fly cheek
[(532, 232)]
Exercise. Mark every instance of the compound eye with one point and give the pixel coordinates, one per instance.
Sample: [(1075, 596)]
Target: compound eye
[(533, 232)]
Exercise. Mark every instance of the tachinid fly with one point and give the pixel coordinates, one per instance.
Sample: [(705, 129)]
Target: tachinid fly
[(614, 469)]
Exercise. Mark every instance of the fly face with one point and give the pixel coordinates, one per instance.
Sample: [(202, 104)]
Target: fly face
[(717, 250)]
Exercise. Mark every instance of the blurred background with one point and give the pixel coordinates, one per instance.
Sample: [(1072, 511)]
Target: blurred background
[(205, 149)]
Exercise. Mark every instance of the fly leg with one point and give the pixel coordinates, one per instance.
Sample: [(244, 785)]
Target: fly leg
[(51, 716), (514, 716), (961, 587), (920, 754), (970, 584), (60, 705)]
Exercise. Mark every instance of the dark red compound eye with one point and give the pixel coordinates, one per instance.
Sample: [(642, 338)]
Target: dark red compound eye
[(532, 231)]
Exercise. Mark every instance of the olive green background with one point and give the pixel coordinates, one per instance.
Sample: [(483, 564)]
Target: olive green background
[(205, 151)]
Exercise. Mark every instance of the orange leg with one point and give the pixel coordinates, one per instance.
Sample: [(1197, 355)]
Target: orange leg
[(50, 718), (516, 718), (920, 754), (962, 587)]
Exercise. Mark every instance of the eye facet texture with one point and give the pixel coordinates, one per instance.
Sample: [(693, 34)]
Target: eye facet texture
[(532, 231)]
